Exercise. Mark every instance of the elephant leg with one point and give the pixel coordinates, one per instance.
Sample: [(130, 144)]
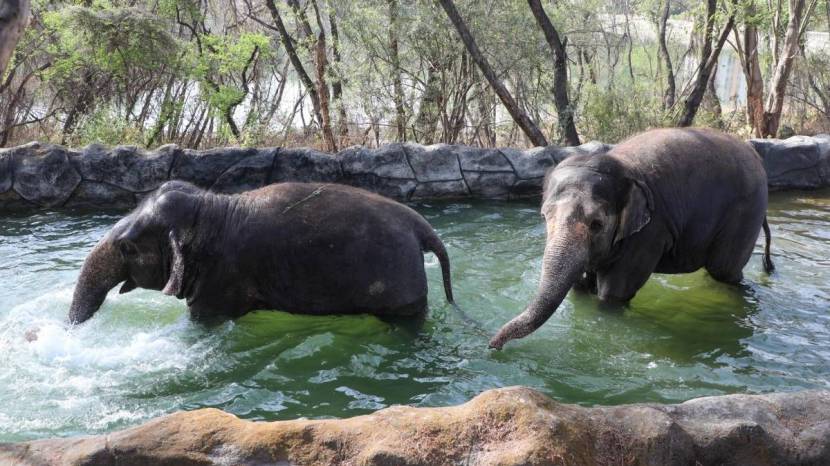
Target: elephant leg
[(732, 249), (588, 283), (621, 281)]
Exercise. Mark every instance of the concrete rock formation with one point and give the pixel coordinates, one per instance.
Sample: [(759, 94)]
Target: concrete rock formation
[(48, 176), (509, 426)]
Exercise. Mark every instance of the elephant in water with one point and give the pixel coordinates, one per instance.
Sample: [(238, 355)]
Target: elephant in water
[(297, 247), (665, 201)]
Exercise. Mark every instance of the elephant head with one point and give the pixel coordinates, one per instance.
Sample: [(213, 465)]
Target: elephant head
[(590, 205), (144, 249)]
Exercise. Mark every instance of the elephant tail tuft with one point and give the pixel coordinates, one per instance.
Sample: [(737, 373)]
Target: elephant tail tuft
[(768, 265)]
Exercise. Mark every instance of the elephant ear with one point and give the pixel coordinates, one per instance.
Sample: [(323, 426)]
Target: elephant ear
[(636, 213), (174, 283)]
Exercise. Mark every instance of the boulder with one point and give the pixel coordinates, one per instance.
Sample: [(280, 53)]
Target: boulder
[(400, 189), (249, 173), (203, 168), (11, 201), (790, 163), (491, 184), (305, 165), (126, 167), (437, 162), (509, 426), (823, 144), (6, 170), (43, 174), (384, 170), (476, 159), (386, 162), (526, 188), (440, 189), (531, 163), (92, 194)]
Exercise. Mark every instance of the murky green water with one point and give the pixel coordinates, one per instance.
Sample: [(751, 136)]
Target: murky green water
[(683, 336)]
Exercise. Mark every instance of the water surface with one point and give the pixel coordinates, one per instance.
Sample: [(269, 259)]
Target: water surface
[(682, 336)]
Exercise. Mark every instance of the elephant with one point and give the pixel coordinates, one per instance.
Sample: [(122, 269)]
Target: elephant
[(304, 248), (663, 201)]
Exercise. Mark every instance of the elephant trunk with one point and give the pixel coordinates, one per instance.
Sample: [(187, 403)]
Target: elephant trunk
[(103, 268), (564, 261)]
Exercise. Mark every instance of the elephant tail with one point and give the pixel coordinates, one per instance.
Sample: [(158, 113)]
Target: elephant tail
[(768, 265), (433, 244)]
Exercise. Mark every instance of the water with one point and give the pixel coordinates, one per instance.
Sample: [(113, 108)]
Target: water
[(682, 336)]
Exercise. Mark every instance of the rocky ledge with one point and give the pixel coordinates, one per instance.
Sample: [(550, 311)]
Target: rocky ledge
[(39, 175), (509, 426)]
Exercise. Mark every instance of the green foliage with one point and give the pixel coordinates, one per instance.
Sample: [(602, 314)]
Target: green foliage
[(106, 126), (189, 71), (117, 42), (610, 115), (218, 62)]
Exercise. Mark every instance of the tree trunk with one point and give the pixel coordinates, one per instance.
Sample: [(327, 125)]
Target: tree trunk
[(288, 43), (778, 86), (710, 98), (560, 74), (321, 62), (337, 83), (14, 15), (485, 109), (663, 51), (519, 116), (323, 91), (708, 60), (400, 111), (431, 101), (754, 79)]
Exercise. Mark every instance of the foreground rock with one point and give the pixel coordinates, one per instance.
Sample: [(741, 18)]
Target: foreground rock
[(37, 175), (505, 427)]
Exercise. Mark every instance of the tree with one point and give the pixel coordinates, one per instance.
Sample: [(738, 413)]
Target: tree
[(708, 60), (560, 74), (398, 96), (665, 58), (318, 93), (14, 14), (778, 86), (765, 117), (519, 115), (748, 52)]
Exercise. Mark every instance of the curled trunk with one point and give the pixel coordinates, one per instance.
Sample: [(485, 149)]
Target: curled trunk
[(564, 262), (103, 269)]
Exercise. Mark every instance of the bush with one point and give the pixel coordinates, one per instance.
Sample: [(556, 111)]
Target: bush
[(610, 115)]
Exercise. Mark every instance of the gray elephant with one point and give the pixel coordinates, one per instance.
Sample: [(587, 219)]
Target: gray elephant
[(297, 247), (666, 201)]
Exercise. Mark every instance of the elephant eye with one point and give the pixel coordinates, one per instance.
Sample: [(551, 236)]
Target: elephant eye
[(595, 226), (127, 248)]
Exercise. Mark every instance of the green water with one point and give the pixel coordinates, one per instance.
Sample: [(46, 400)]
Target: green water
[(683, 336)]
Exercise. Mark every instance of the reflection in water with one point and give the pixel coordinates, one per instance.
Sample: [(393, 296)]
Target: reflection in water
[(140, 356)]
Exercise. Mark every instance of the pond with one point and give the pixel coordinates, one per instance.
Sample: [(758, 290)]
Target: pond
[(683, 336)]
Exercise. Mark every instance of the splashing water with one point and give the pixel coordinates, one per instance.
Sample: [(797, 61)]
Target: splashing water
[(140, 356)]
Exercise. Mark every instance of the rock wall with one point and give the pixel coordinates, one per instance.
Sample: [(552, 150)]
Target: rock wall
[(511, 426), (49, 176)]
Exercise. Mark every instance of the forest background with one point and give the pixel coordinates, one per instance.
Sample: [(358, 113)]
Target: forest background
[(330, 74)]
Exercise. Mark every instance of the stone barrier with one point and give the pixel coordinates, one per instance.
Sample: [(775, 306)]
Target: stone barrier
[(38, 175), (509, 426)]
